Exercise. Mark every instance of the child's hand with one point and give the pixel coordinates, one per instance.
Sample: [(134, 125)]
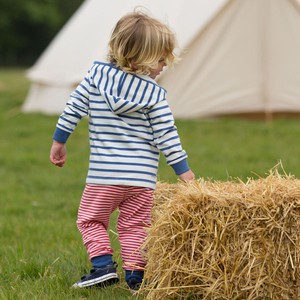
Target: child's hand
[(58, 154), (187, 176)]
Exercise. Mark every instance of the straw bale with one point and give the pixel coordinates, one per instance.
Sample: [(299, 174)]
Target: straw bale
[(225, 240)]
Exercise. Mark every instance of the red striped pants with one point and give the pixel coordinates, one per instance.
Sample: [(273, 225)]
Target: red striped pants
[(97, 204)]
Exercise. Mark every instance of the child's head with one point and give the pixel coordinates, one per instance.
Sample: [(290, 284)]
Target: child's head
[(139, 42)]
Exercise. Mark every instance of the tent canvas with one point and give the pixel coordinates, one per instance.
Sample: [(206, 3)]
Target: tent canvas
[(239, 56)]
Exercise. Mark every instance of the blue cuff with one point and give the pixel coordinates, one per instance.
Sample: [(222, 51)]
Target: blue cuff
[(181, 167), (61, 135), (102, 261)]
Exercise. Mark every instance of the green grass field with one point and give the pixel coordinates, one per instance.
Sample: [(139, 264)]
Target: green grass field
[(41, 253)]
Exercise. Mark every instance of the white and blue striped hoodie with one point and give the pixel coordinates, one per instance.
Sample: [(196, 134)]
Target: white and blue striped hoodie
[(130, 122)]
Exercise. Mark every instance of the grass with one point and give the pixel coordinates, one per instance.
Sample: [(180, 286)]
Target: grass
[(41, 253)]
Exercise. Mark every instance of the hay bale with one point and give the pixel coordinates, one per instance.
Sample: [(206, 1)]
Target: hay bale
[(225, 240)]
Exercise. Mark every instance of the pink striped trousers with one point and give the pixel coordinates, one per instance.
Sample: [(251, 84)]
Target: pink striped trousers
[(97, 204)]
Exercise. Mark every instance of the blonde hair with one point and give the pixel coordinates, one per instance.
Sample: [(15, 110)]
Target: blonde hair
[(138, 42)]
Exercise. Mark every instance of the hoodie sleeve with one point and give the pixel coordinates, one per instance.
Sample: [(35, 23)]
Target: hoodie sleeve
[(166, 136), (76, 108)]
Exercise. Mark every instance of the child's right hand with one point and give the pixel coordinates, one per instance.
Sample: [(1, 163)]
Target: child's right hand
[(58, 154), (187, 176)]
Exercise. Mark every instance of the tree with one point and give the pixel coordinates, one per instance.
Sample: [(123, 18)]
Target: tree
[(27, 27)]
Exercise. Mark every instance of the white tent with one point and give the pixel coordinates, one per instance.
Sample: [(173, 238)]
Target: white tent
[(240, 56)]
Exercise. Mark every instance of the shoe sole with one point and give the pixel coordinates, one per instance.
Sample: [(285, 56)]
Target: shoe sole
[(102, 281)]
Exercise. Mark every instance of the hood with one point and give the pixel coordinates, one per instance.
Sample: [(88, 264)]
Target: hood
[(125, 93)]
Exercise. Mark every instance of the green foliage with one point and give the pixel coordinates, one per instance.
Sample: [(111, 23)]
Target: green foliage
[(26, 27), (41, 252)]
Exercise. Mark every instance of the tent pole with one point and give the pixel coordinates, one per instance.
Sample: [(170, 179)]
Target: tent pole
[(265, 50)]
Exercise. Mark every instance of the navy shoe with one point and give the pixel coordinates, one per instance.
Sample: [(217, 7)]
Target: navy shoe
[(134, 284), (134, 279), (100, 277)]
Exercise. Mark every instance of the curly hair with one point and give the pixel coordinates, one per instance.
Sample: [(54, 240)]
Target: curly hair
[(138, 42)]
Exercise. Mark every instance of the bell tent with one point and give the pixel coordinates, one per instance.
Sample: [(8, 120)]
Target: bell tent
[(238, 56)]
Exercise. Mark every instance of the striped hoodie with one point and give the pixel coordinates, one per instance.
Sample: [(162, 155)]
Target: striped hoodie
[(130, 123)]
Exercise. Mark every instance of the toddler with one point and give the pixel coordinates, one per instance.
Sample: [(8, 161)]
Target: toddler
[(130, 123)]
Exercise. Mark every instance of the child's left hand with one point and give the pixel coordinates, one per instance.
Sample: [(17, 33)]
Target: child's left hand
[(58, 154)]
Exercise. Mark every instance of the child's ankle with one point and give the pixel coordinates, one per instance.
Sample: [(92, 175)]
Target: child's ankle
[(101, 261)]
